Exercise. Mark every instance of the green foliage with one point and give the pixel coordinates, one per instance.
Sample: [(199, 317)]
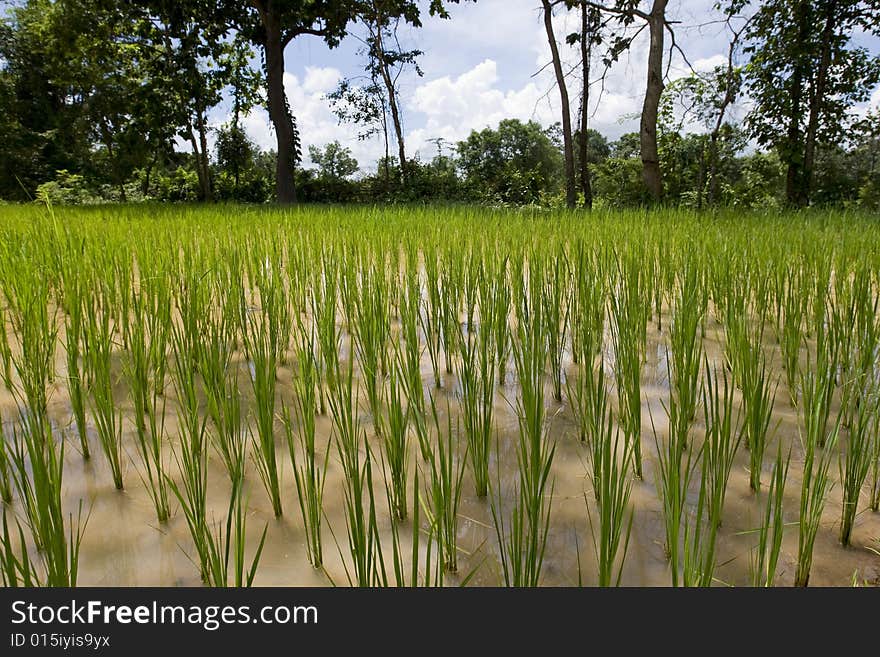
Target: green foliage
[(334, 161), (512, 164)]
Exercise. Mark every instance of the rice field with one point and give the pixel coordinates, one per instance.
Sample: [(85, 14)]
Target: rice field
[(236, 396)]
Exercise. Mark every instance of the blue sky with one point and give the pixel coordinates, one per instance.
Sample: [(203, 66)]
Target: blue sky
[(484, 64)]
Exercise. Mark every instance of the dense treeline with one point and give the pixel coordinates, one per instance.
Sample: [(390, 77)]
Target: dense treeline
[(97, 98)]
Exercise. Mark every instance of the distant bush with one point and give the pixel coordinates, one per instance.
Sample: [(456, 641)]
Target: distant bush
[(67, 189)]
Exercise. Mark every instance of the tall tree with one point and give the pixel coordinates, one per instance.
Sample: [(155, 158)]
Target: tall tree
[(627, 12), (272, 25), (588, 37), (567, 144), (804, 76), (386, 62), (386, 59)]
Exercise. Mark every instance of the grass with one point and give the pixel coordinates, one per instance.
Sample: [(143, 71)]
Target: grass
[(765, 555), (522, 540), (444, 490), (395, 445), (612, 486), (38, 473), (676, 464), (817, 462), (309, 470), (629, 313), (477, 381), (74, 328), (107, 416), (273, 327), (722, 440), (750, 370), (856, 458), (262, 353), (147, 340), (366, 565)]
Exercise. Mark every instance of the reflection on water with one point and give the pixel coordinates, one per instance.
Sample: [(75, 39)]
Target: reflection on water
[(123, 544)]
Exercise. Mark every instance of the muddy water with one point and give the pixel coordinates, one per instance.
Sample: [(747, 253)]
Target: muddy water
[(124, 545)]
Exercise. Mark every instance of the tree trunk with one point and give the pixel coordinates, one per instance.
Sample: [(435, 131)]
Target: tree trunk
[(207, 193), (284, 132), (712, 193), (586, 53), (145, 188), (729, 94), (199, 171), (793, 155), (793, 174), (701, 175), (570, 194), (654, 89), (391, 90), (816, 102)]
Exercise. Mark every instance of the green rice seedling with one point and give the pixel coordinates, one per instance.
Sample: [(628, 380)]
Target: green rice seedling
[(192, 454), (220, 383), (431, 318), (309, 471), (684, 364), (77, 386), (444, 491), (522, 542), (588, 306), (588, 395), (794, 305), (699, 538), (758, 398), (16, 567), (855, 459), (36, 329), (612, 484), (816, 482), (499, 290), (477, 380), (723, 438), (874, 488), (676, 463), (629, 312), (765, 555), (364, 546), (395, 443), (274, 306), (146, 333), (408, 356), (595, 424), (6, 359), (262, 354), (230, 538), (857, 330), (451, 295), (324, 305), (106, 415), (6, 481), (432, 568), (473, 272), (823, 385), (38, 469), (371, 333), (556, 309)]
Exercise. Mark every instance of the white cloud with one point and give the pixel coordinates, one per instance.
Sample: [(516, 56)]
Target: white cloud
[(316, 122), (452, 107), (321, 79), (706, 64)]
